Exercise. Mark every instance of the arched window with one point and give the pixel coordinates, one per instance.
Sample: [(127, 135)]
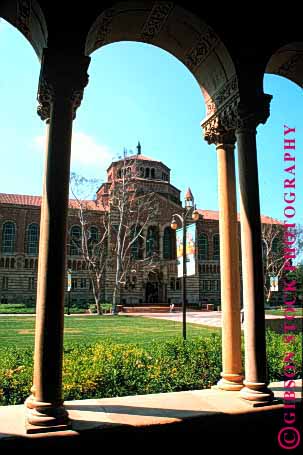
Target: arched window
[(75, 240), (152, 173), (169, 243), (136, 249), (216, 243), (8, 238), (202, 247), (152, 241), (32, 239), (147, 172), (93, 239)]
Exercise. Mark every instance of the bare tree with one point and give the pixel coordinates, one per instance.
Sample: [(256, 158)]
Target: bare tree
[(274, 237), (131, 210), (123, 222), (93, 240)]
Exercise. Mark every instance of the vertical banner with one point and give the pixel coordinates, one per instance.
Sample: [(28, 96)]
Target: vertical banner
[(69, 280), (190, 250), (274, 283)]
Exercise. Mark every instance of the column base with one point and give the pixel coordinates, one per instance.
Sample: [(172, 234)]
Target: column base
[(230, 382), (257, 393), (45, 417)]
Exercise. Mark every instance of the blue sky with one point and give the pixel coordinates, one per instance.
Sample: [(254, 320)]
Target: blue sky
[(136, 92)]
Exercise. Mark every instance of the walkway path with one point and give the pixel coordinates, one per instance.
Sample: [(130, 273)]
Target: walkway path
[(209, 318)]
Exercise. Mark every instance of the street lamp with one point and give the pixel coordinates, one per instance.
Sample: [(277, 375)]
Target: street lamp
[(189, 212)]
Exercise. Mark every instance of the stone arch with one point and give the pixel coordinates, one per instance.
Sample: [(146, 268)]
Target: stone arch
[(287, 61), (27, 16), (177, 31)]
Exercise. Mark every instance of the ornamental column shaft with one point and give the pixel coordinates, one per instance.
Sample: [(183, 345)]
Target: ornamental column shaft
[(256, 380), (230, 270), (61, 83), (229, 255)]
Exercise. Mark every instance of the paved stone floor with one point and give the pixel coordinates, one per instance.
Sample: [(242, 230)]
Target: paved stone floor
[(208, 418)]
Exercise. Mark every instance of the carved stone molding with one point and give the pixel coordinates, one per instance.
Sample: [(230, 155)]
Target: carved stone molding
[(61, 76), (229, 90), (23, 17), (220, 127), (103, 27), (202, 49), (44, 98), (235, 115), (156, 20), (215, 133)]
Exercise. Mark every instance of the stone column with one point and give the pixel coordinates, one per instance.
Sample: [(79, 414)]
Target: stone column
[(229, 259), (229, 266), (61, 84), (256, 381)]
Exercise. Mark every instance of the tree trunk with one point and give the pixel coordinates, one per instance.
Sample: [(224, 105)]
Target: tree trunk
[(114, 303), (98, 304)]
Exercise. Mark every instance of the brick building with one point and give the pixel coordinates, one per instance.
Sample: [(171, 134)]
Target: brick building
[(19, 230)]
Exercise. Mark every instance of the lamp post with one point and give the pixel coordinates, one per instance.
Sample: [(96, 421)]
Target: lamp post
[(189, 212)]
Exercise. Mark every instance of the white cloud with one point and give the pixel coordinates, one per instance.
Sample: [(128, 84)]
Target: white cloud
[(85, 151)]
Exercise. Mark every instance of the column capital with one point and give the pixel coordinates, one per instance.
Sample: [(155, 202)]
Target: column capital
[(221, 126), (216, 133), (61, 75)]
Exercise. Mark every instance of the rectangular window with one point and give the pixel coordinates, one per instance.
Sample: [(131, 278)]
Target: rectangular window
[(74, 283), (5, 283), (31, 283), (208, 285), (205, 285), (83, 283)]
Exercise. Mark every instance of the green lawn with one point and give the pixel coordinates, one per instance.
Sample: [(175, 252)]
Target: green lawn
[(281, 312), (19, 330)]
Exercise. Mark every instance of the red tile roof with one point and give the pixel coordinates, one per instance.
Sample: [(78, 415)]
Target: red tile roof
[(24, 199), (214, 215), (20, 199)]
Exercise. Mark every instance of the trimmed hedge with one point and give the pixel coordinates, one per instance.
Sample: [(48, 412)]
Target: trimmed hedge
[(108, 370)]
